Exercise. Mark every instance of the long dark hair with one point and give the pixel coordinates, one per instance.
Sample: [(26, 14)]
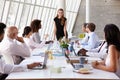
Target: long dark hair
[(112, 35), (62, 18), (35, 25), (26, 31)]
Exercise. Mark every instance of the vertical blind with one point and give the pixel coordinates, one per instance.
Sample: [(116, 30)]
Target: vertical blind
[(21, 12)]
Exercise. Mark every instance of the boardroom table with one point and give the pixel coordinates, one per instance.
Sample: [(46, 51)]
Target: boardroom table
[(67, 71)]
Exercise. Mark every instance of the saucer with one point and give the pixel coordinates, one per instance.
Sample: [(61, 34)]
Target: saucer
[(82, 72)]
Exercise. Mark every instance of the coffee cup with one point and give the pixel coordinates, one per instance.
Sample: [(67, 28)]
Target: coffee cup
[(82, 60)]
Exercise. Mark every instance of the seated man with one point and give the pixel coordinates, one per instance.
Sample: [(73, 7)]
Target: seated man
[(85, 39), (100, 51), (93, 40), (14, 45), (6, 68)]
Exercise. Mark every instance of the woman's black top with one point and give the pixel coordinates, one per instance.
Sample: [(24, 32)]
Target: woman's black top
[(59, 28)]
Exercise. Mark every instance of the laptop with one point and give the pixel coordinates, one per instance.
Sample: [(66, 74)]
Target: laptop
[(45, 60), (76, 66)]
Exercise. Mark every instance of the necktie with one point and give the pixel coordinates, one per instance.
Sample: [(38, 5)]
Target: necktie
[(1, 56), (101, 46), (88, 37)]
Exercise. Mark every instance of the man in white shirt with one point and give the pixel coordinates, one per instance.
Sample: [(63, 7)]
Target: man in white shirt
[(7, 68), (93, 40), (100, 51), (14, 46), (85, 39)]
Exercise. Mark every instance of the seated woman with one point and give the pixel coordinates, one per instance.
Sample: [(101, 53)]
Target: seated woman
[(112, 62), (31, 44), (35, 26)]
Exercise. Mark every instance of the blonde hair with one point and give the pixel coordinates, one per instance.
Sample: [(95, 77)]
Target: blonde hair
[(62, 18)]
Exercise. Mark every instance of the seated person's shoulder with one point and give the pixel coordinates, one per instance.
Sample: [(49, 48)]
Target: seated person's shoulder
[(94, 34), (112, 47), (35, 34)]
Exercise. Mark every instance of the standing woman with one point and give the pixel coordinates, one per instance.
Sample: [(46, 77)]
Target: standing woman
[(35, 26), (60, 25), (112, 62)]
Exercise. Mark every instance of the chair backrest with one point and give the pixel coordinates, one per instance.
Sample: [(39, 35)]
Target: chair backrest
[(8, 58)]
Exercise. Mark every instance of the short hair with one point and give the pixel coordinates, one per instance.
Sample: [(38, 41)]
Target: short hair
[(91, 26), (2, 27), (84, 25), (26, 31), (35, 25), (11, 30)]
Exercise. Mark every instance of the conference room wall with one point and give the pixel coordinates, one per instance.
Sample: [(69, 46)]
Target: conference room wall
[(101, 13)]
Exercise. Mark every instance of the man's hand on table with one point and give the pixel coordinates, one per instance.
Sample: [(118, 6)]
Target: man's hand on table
[(32, 65), (82, 52)]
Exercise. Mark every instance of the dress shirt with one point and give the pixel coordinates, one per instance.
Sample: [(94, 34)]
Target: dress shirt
[(36, 37), (32, 45), (7, 68), (101, 51), (15, 49), (84, 40), (93, 41)]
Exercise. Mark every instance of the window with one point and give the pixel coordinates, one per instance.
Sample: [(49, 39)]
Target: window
[(21, 12)]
